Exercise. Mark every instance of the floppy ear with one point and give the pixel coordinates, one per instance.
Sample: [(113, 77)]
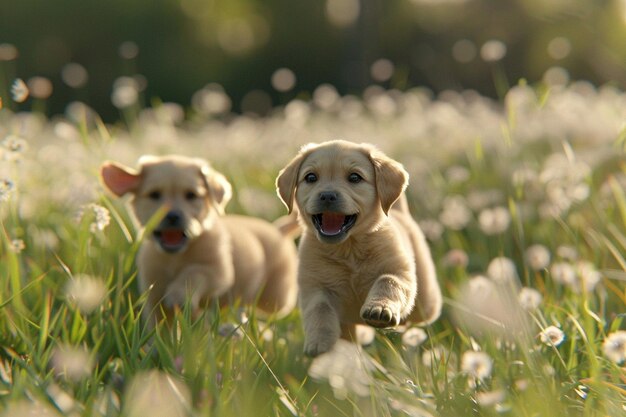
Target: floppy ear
[(218, 186), (391, 179), (119, 179), (287, 180)]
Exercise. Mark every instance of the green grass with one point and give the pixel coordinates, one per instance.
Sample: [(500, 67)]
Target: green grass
[(221, 365)]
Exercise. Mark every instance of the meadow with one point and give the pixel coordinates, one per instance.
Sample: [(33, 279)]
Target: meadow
[(522, 199)]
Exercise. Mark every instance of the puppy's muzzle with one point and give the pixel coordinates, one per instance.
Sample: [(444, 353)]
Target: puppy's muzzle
[(330, 220), (171, 232)]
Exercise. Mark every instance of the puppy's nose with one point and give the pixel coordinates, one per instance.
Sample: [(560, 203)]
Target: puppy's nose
[(328, 196), (173, 218)]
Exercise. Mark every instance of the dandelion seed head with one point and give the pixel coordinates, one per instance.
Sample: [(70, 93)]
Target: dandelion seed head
[(455, 214), (19, 90), (433, 230), (283, 80), (211, 100), (432, 357), (40, 87), (98, 215), (8, 52), (13, 148), (614, 346), (563, 273), (414, 337), (85, 292), (502, 270), (490, 398), (342, 13), (476, 364), (493, 50), (125, 92), (346, 367), (382, 70), (128, 50), (157, 394), (529, 298), (494, 221), (464, 51), (365, 335), (7, 187), (538, 257), (456, 258), (552, 336), (26, 408), (17, 245), (72, 362), (589, 277)]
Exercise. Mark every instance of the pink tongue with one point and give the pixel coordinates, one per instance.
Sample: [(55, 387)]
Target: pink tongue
[(332, 223), (172, 237)]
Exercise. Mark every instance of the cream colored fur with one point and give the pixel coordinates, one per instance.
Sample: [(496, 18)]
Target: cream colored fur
[(378, 272), (222, 257)]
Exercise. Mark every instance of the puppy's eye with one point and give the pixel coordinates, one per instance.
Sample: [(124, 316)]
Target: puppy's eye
[(355, 178), (310, 177), (190, 196), (154, 195)]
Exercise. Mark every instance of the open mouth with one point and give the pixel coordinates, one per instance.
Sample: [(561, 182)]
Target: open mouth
[(332, 224), (171, 240)]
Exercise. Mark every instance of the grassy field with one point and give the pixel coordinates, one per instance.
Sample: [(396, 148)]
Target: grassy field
[(523, 201)]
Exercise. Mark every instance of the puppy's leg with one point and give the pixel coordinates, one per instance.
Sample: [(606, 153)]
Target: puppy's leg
[(197, 282), (321, 323), (389, 300)]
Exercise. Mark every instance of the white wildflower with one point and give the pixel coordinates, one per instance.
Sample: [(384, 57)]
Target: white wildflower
[(157, 394), (476, 364), (614, 346), (502, 270), (552, 336), (414, 337), (529, 298), (538, 257), (19, 90), (494, 221), (72, 362), (85, 292)]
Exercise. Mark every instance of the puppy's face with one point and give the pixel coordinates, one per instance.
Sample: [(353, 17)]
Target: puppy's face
[(184, 193), (341, 188)]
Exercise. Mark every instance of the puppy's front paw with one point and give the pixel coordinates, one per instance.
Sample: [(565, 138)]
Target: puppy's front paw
[(314, 348), (379, 314), (177, 295)]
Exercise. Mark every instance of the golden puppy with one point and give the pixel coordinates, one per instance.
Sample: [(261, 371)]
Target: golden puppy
[(196, 253), (362, 256)]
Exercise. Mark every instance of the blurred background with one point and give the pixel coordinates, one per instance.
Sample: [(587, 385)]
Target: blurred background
[(251, 55)]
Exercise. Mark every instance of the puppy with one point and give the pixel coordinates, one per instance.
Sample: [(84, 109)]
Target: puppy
[(196, 253), (362, 256)]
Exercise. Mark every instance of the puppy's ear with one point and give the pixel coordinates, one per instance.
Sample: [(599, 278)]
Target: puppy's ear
[(287, 179), (391, 178), (119, 179), (218, 186)]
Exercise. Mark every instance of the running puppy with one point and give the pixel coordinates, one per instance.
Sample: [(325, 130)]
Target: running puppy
[(362, 256), (196, 253)]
